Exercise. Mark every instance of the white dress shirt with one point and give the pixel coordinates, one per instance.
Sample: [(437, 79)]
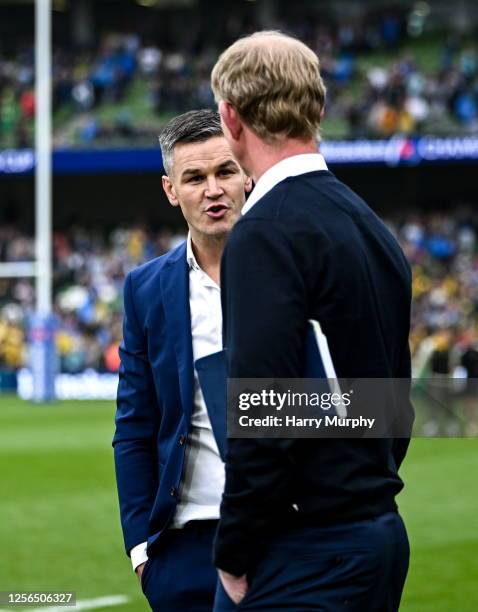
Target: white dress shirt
[(203, 478), (291, 166)]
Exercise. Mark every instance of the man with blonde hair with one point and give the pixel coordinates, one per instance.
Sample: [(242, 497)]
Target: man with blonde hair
[(305, 524)]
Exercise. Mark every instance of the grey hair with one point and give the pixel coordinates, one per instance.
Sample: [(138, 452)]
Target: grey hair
[(193, 126)]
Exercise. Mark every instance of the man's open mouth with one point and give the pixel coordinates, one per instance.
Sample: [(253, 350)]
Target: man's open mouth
[(217, 211)]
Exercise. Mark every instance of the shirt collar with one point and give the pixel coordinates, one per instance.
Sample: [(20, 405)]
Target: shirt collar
[(291, 166), (193, 264), (190, 257)]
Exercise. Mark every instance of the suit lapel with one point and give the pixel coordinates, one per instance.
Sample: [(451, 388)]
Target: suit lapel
[(175, 293)]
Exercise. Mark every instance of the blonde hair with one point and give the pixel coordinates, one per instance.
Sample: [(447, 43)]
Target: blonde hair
[(274, 83)]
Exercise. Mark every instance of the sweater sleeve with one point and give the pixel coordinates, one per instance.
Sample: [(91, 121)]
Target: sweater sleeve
[(264, 305)]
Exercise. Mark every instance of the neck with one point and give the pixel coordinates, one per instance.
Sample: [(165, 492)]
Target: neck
[(261, 156), (208, 252)]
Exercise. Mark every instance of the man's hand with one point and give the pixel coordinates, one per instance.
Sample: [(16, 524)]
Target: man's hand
[(236, 587), (139, 570)]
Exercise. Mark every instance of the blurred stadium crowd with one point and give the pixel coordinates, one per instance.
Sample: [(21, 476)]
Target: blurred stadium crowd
[(380, 80), (89, 270)]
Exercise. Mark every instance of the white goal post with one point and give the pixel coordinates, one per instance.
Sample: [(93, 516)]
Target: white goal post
[(17, 269), (43, 205), (42, 347), (41, 268)]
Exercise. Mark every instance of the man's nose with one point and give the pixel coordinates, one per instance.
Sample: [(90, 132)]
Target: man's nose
[(214, 189)]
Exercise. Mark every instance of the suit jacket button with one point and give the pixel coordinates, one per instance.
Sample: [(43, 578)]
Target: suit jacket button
[(182, 440), (173, 492)]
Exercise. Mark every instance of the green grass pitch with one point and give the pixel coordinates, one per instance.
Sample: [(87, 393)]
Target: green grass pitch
[(59, 525)]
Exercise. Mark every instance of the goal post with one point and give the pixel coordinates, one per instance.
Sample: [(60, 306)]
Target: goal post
[(41, 326), (17, 269), (41, 333), (43, 204)]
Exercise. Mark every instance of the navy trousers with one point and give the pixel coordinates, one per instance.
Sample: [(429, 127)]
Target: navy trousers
[(181, 576), (354, 567)]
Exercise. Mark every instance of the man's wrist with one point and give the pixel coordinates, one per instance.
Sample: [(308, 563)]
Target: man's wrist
[(138, 555), (233, 564)]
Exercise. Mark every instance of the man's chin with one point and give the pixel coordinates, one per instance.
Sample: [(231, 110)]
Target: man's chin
[(219, 232), (219, 228)]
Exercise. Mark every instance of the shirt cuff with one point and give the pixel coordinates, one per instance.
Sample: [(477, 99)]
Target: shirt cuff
[(138, 555)]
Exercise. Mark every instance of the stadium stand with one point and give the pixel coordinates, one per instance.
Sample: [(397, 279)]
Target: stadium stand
[(381, 81)]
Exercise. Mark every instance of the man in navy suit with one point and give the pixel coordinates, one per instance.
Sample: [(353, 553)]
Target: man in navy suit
[(306, 524), (169, 473)]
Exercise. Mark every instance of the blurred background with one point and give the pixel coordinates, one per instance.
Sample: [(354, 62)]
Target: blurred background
[(401, 128)]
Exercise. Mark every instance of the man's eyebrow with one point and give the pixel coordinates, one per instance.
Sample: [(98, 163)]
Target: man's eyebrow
[(230, 163), (189, 171), (226, 164)]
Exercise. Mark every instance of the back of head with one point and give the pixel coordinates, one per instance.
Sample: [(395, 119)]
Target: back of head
[(274, 83)]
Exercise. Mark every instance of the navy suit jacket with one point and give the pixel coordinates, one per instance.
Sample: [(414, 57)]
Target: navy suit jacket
[(155, 396)]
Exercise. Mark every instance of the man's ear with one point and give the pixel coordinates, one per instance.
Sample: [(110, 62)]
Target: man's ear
[(230, 119), (248, 184), (170, 191)]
